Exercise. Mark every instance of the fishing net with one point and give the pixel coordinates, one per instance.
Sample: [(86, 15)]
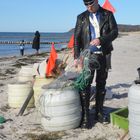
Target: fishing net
[(63, 81), (77, 79), (90, 62)]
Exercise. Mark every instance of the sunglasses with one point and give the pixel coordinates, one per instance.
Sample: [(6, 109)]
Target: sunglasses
[(90, 3)]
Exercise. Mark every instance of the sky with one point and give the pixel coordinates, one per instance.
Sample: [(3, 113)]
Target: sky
[(57, 15)]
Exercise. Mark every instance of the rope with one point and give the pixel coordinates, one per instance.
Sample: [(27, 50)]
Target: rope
[(83, 79), (90, 63)]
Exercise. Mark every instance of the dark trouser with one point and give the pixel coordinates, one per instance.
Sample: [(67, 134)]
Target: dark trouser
[(101, 76), (22, 52), (108, 61)]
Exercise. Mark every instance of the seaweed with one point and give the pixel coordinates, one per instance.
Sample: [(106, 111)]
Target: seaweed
[(19, 64), (10, 71), (49, 136)]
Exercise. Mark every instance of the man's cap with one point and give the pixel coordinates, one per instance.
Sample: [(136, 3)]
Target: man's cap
[(88, 2)]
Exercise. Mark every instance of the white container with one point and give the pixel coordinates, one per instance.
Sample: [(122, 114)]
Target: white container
[(134, 131), (23, 78), (39, 82), (39, 69), (26, 70), (25, 74), (17, 94), (60, 109), (134, 111), (61, 123)]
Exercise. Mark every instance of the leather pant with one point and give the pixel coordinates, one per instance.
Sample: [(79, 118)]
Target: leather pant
[(101, 76)]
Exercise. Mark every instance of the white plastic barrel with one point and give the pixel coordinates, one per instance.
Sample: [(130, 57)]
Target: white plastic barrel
[(134, 111), (17, 94), (25, 74), (60, 109), (39, 82)]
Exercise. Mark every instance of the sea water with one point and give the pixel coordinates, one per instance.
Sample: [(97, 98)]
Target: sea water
[(14, 49)]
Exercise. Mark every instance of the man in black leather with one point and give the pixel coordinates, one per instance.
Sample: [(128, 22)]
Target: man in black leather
[(95, 29)]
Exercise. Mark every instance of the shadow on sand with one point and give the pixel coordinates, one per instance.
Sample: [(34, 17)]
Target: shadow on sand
[(108, 110)]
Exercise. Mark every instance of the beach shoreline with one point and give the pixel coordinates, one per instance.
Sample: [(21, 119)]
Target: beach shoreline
[(125, 61)]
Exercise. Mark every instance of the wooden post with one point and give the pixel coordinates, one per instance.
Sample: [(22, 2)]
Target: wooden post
[(26, 101)]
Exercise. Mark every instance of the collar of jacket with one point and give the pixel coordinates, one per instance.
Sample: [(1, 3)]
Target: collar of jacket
[(103, 17), (102, 14)]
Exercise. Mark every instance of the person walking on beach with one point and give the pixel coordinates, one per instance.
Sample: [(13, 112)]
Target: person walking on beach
[(95, 30), (36, 42), (22, 47)]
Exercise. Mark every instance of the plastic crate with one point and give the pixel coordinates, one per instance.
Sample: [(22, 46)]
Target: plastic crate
[(120, 118)]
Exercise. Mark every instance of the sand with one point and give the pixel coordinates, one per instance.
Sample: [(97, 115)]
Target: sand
[(125, 61)]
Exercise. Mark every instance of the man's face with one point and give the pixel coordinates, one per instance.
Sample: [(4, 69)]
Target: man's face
[(93, 7)]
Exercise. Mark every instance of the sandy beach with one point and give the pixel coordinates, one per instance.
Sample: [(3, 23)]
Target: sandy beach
[(125, 61)]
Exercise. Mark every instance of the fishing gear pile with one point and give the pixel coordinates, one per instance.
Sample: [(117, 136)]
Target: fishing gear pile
[(90, 62)]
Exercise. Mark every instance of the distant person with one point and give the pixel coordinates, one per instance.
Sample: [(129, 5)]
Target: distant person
[(22, 47), (36, 42)]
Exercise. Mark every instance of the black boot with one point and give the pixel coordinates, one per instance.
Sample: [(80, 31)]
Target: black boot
[(85, 96), (99, 115)]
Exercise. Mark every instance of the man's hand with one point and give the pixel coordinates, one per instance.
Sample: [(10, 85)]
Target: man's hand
[(95, 42)]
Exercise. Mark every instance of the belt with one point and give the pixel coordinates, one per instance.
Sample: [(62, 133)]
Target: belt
[(97, 52)]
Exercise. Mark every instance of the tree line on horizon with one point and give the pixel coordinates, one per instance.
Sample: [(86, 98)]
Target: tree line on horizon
[(123, 28)]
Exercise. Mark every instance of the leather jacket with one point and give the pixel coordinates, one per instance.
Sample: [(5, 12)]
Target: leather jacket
[(108, 31)]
